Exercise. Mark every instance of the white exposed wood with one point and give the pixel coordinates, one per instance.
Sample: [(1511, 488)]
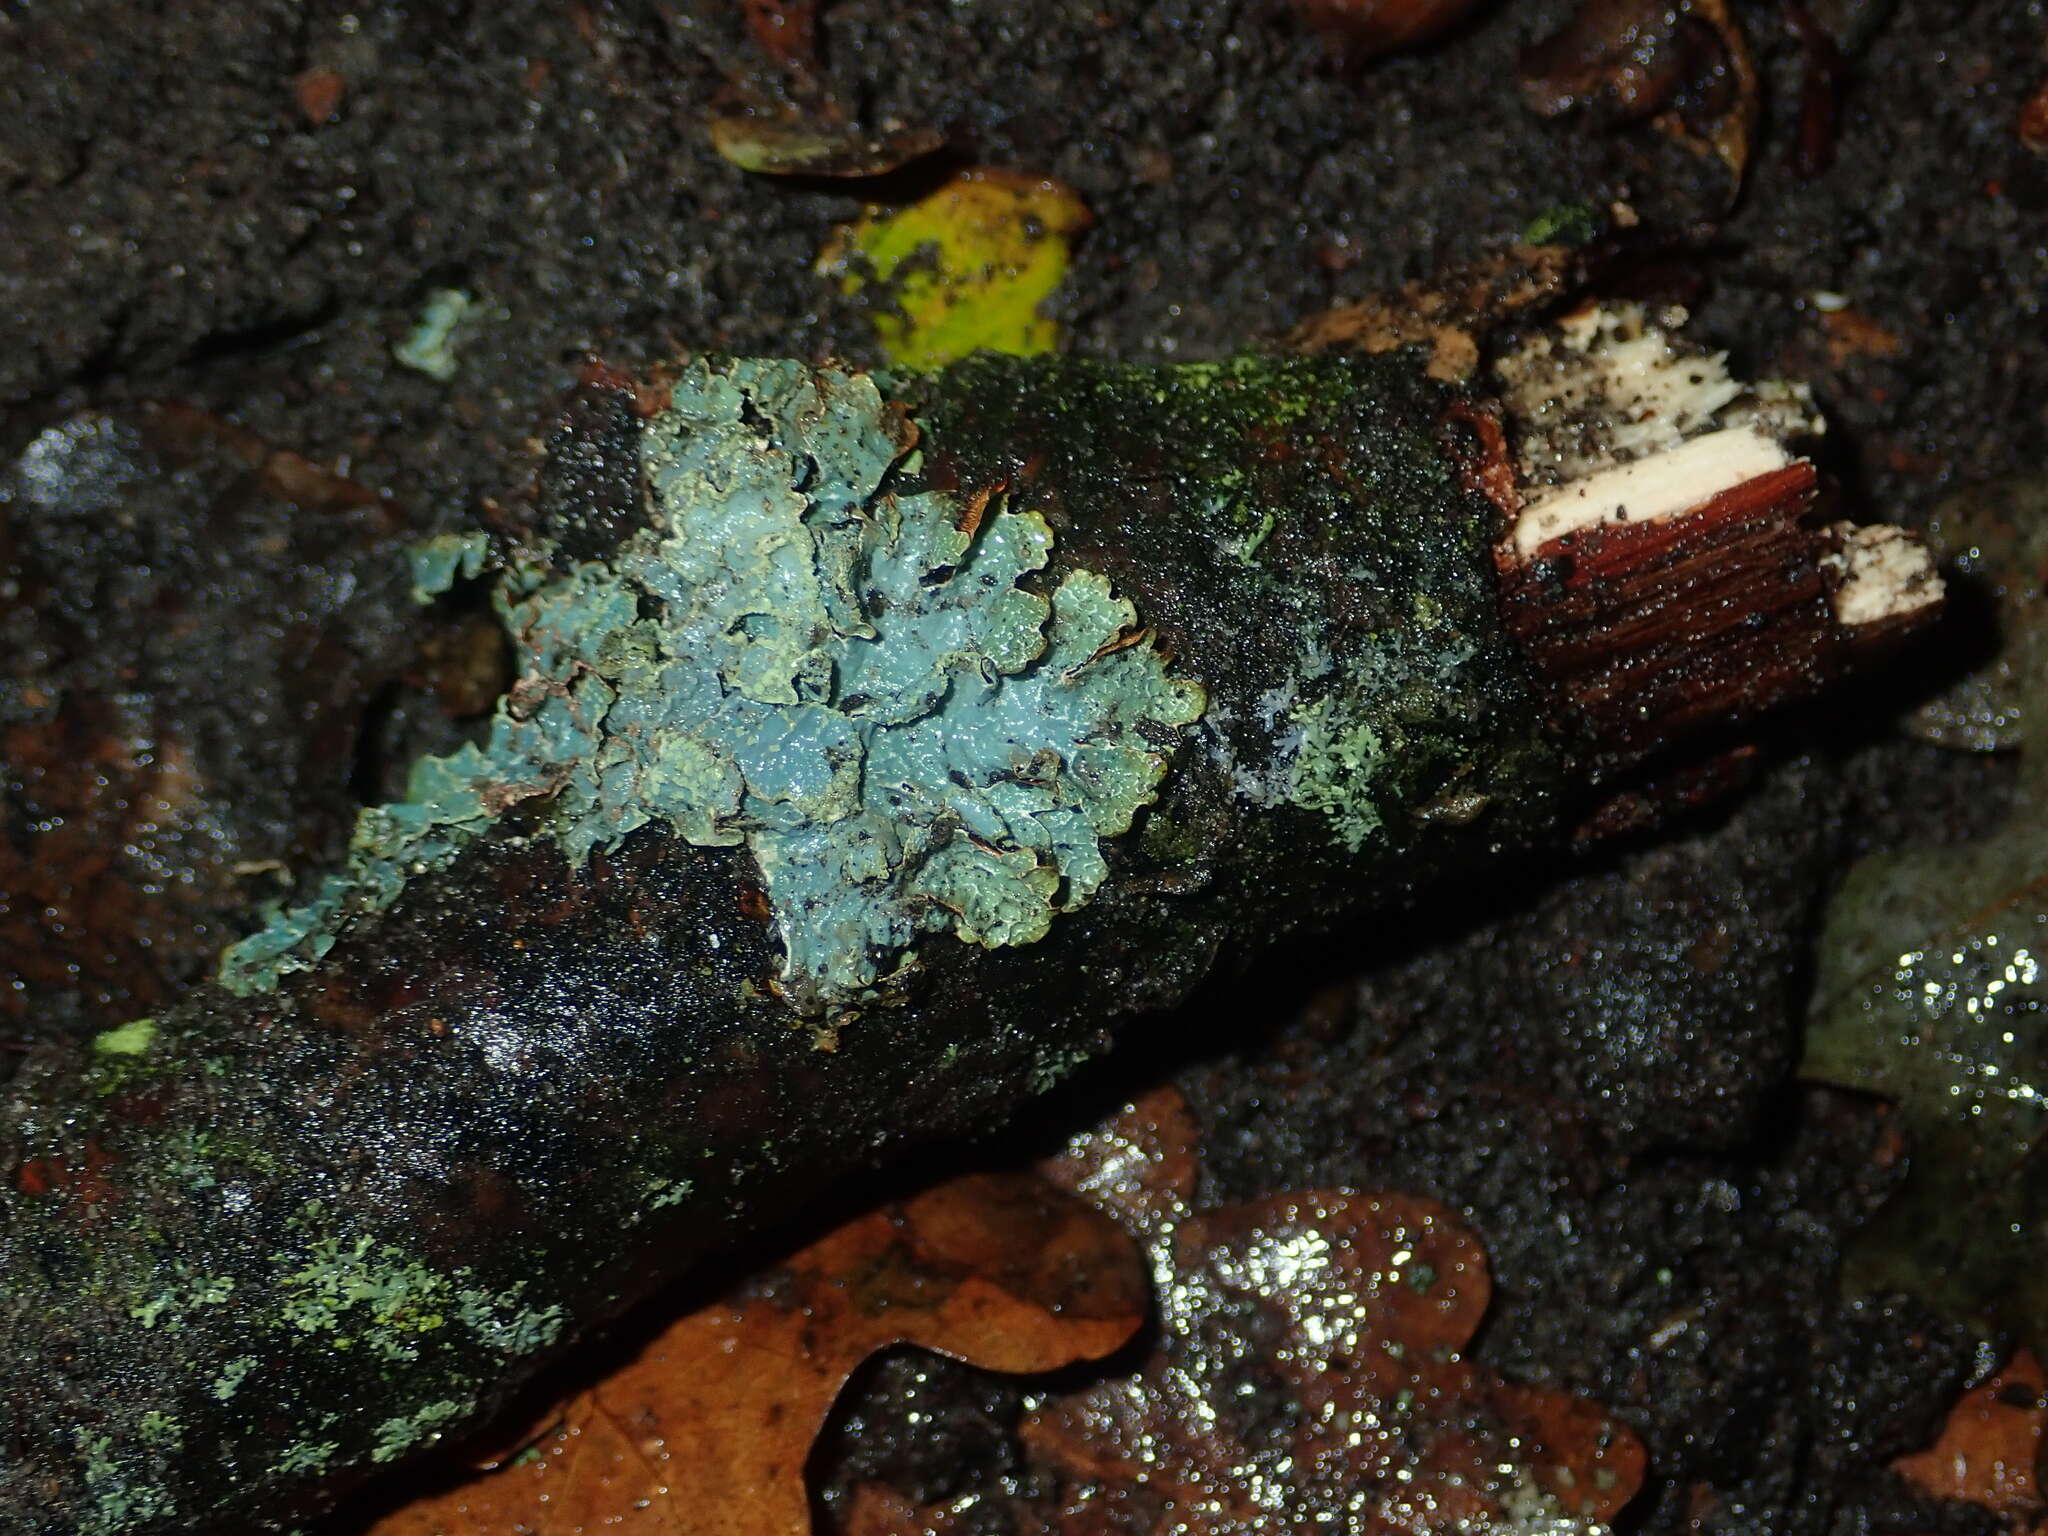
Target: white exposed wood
[(1660, 485), (1884, 574), (1617, 420)]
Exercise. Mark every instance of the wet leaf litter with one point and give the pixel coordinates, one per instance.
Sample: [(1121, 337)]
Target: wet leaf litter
[(709, 1427)]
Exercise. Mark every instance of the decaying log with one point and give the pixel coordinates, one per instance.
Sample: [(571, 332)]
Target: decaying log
[(943, 722)]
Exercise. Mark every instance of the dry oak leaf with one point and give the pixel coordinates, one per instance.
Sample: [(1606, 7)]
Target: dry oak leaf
[(1307, 1372), (1139, 1166), (875, 1509), (1989, 1449), (705, 1433), (1306, 1375)]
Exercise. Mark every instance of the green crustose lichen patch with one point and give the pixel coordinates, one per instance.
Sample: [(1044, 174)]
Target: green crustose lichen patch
[(374, 1296), (860, 681), (397, 1435), (1345, 743)]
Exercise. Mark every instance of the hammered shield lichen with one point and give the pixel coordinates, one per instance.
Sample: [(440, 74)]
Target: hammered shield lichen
[(804, 652)]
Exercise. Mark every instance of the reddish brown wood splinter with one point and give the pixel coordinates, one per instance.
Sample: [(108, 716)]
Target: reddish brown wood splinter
[(1653, 619)]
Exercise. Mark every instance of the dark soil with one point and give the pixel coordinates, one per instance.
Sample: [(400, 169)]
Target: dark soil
[(1596, 1067)]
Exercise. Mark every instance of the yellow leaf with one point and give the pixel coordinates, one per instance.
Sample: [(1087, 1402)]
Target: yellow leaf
[(963, 269)]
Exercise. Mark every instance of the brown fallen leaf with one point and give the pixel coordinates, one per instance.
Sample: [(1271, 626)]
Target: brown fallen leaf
[(706, 1431), (1357, 31), (818, 142), (1344, 1311), (1990, 1447), (1307, 1374), (1636, 59), (1735, 95), (1615, 53), (875, 1509), (1139, 1166)]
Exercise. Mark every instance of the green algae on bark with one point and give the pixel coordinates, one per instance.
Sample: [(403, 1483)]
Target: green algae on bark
[(532, 1047)]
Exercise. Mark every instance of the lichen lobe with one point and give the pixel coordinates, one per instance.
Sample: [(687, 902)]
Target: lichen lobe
[(803, 652)]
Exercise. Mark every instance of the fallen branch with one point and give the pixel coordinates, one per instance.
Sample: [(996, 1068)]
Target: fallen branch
[(942, 722)]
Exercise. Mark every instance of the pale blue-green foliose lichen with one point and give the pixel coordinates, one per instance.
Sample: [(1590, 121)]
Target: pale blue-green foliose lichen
[(429, 347), (374, 1296), (857, 679), (437, 563)]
